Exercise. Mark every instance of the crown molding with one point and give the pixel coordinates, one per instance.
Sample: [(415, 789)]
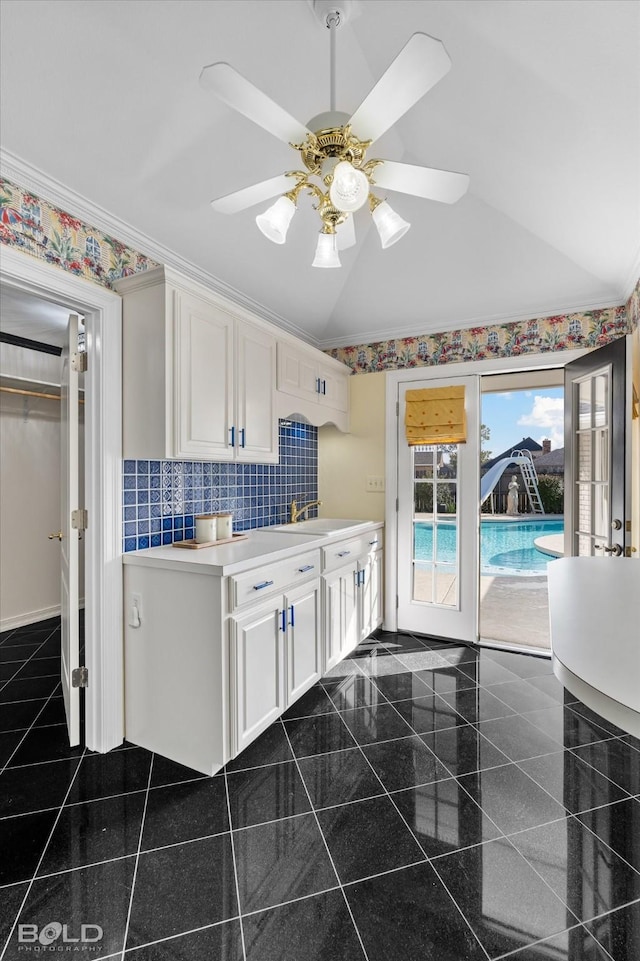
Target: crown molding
[(488, 320), (633, 277), (31, 178)]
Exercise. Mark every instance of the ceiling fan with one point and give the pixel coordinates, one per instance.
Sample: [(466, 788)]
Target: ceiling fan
[(333, 146)]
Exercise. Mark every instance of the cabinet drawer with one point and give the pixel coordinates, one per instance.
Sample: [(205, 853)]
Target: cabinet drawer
[(253, 586), (337, 554)]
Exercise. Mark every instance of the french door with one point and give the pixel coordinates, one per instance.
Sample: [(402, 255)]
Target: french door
[(595, 429), (438, 525)]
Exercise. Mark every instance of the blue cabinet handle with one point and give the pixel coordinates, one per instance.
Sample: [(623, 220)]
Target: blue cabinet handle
[(324, 387), (292, 622), (283, 621), (317, 385), (343, 553), (232, 442), (259, 587), (307, 567), (242, 435)]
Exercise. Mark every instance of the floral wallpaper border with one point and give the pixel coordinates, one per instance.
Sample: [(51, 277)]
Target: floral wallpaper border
[(44, 231), (55, 236), (592, 328)]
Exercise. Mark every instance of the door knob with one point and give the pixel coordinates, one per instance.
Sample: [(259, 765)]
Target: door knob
[(55, 534), (615, 549), (616, 524)]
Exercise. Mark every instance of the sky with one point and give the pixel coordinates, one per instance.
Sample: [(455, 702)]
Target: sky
[(524, 413)]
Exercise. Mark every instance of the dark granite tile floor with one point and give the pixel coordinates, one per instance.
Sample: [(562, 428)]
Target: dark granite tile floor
[(426, 801)]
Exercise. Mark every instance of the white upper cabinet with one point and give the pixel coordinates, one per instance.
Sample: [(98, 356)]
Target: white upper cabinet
[(312, 384), (204, 379), (199, 381), (257, 418)]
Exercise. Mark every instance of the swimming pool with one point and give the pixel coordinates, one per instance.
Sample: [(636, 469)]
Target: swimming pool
[(506, 547)]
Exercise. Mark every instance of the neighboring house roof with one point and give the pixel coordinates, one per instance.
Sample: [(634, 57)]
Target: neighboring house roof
[(551, 463), (527, 443)]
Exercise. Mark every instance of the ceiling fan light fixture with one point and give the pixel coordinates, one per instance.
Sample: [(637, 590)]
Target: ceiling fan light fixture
[(326, 251), (349, 189), (274, 222), (389, 224)]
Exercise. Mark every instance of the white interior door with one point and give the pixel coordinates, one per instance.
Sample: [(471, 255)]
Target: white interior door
[(438, 525), (69, 544)]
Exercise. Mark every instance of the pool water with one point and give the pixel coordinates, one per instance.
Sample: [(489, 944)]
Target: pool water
[(506, 547)]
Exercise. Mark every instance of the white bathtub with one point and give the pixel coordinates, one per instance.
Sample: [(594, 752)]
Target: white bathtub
[(594, 612)]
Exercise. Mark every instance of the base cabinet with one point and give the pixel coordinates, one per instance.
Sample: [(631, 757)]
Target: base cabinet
[(276, 655), (341, 614), (353, 605)]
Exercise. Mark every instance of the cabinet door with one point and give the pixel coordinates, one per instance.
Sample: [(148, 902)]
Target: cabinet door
[(297, 372), (256, 434), (334, 388), (257, 675), (370, 594), (304, 648), (203, 372), (341, 614)]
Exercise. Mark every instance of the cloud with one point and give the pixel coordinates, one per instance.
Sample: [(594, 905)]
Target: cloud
[(547, 413)]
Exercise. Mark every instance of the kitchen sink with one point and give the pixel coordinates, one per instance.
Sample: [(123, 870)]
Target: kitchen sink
[(326, 526)]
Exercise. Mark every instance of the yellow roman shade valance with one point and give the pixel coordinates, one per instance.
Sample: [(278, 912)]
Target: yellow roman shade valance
[(435, 415)]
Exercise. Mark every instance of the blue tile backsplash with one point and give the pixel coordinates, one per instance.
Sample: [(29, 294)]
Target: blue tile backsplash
[(162, 497)]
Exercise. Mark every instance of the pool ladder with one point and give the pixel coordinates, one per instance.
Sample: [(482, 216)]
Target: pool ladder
[(530, 478)]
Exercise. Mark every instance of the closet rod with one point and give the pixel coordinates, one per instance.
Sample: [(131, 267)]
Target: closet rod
[(33, 393)]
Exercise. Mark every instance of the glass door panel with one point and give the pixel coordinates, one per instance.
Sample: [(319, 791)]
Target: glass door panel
[(438, 526)]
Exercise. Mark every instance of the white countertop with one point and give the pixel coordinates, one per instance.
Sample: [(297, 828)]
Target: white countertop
[(262, 545)]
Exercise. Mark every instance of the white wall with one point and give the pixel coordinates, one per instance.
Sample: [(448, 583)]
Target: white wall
[(29, 508)]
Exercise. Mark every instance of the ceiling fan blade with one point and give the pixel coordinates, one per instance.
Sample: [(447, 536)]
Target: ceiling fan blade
[(238, 92), (445, 186), (249, 196), (346, 234), (420, 64)]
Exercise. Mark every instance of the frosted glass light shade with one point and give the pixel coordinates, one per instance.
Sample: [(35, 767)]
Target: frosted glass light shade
[(390, 225), (349, 189), (326, 252), (275, 221)]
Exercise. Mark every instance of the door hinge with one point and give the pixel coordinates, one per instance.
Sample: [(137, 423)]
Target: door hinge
[(397, 604), (397, 505), (628, 551), (80, 677), (80, 519), (627, 527), (397, 408), (79, 361)]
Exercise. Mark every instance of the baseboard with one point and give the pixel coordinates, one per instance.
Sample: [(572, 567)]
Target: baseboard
[(31, 617)]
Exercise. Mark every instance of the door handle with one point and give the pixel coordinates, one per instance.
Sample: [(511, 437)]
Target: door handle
[(615, 549), (55, 534), (292, 622)]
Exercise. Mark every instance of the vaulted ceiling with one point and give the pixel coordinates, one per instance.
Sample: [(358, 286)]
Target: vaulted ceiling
[(541, 108)]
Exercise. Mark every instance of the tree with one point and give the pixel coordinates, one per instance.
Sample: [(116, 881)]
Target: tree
[(485, 434), (485, 455)]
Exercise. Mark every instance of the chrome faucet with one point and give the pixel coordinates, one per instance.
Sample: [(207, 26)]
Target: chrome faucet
[(297, 512)]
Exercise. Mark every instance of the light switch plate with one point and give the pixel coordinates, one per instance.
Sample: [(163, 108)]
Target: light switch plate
[(374, 483)]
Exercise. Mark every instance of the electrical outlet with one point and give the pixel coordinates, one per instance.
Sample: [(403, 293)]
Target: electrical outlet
[(375, 484)]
